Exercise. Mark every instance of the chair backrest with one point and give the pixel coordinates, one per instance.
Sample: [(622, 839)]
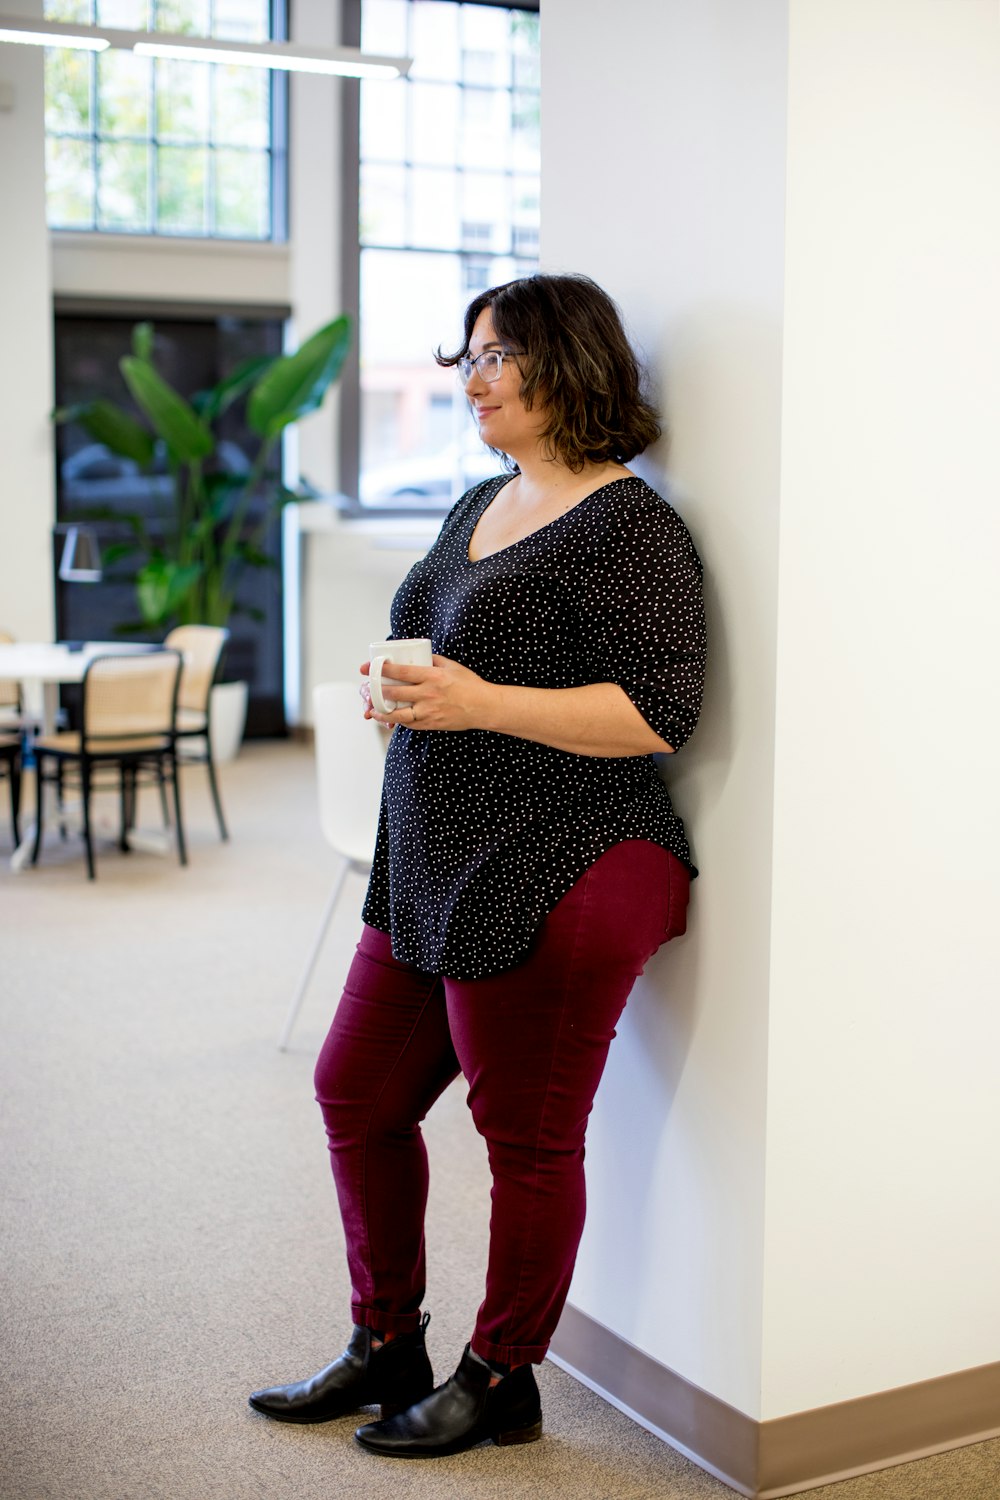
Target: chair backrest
[(131, 698), (10, 692), (349, 764), (200, 647)]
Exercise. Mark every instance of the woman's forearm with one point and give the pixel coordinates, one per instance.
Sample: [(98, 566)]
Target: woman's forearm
[(599, 719)]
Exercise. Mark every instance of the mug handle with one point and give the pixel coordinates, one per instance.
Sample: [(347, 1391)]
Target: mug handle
[(382, 705)]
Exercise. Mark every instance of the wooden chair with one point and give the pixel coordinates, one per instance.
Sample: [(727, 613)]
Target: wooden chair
[(128, 710), (201, 648)]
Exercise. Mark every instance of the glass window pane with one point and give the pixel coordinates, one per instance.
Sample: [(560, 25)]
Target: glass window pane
[(123, 85), (182, 100), (433, 210), (383, 205), (383, 121), (434, 42), (182, 189), (126, 15), (70, 178), (123, 185), (383, 27), (67, 90), (485, 130), (485, 44), (525, 113), (241, 106), (486, 212), (434, 122), (183, 17), (242, 20), (69, 10), (242, 194)]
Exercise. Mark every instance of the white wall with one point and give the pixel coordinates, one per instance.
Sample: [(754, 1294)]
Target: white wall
[(663, 177), (791, 1169), (27, 499), (883, 1214)]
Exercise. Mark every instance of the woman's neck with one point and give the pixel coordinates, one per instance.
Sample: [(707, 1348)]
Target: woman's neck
[(546, 479)]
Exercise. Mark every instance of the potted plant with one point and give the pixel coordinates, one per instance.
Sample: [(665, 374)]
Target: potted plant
[(187, 556)]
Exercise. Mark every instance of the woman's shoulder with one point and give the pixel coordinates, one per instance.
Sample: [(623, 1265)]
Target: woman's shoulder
[(629, 508)]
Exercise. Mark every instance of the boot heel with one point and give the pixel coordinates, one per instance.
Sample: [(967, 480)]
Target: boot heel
[(518, 1435)]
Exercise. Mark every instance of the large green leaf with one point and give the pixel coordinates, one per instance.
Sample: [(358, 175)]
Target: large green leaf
[(212, 403), (183, 431), (109, 425), (297, 383), (142, 341), (162, 586)]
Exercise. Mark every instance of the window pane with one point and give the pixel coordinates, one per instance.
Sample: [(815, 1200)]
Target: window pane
[(123, 185), (123, 83), (433, 210), (67, 90), (241, 106), (485, 33), (485, 132), (70, 176), (383, 122), (434, 122), (182, 100), (486, 212), (69, 10), (242, 20), (183, 17), (383, 27), (434, 40), (242, 194), (383, 205), (182, 189), (126, 15)]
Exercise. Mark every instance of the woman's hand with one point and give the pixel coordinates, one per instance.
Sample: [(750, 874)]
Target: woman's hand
[(444, 695), (594, 720)]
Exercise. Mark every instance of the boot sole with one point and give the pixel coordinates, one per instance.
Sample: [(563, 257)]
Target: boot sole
[(505, 1439), (305, 1419)]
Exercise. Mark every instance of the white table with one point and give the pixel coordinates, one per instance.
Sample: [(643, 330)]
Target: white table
[(40, 668)]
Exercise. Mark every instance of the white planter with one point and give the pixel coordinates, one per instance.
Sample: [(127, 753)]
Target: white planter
[(229, 717)]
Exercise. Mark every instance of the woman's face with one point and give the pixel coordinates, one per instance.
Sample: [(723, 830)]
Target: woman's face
[(504, 420)]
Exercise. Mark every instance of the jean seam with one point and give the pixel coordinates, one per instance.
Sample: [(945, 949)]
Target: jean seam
[(363, 1195), (570, 966)]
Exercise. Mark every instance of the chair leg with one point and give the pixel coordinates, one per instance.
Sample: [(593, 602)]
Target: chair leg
[(213, 783), (123, 797), (15, 800), (87, 836), (39, 804), (161, 778), (181, 848), (300, 993)]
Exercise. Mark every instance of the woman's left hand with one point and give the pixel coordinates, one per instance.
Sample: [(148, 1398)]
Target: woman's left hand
[(445, 695)]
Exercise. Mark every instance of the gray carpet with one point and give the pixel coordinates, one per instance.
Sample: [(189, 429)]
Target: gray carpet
[(170, 1237)]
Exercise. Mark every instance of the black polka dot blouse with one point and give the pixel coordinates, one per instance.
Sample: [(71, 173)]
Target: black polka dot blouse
[(481, 833)]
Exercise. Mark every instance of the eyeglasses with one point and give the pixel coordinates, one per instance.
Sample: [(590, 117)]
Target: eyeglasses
[(487, 366)]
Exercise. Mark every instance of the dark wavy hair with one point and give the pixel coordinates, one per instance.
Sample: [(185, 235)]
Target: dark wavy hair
[(577, 365)]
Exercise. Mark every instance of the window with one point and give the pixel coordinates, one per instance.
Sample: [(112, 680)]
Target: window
[(140, 145), (449, 205)]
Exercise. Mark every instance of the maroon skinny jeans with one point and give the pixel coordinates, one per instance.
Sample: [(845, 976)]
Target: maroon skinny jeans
[(532, 1043)]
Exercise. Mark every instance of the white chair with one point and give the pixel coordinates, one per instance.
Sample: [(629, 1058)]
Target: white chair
[(349, 764)]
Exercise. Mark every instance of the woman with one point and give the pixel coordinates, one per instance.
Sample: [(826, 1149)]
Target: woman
[(528, 860)]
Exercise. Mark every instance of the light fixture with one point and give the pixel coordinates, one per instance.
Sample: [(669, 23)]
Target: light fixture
[(80, 561), (286, 57)]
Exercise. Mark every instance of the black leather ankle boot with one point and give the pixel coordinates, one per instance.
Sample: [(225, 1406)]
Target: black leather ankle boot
[(393, 1376), (466, 1410)]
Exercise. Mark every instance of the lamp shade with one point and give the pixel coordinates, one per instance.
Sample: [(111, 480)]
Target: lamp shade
[(80, 561)]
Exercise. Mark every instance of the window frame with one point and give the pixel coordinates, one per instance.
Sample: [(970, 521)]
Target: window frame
[(349, 424), (277, 153)]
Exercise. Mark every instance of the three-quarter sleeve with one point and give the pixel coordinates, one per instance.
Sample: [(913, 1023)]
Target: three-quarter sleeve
[(642, 618)]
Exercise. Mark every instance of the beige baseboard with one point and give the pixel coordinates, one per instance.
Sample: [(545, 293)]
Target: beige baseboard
[(764, 1460)]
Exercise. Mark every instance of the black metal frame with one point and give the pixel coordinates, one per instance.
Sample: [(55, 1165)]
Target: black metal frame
[(10, 765)]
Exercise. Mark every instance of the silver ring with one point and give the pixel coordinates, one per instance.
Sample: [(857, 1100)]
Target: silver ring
[(413, 714)]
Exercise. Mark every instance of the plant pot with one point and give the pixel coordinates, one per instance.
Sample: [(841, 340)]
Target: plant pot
[(229, 717)]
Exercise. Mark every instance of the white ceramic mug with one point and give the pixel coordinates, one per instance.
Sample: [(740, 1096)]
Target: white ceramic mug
[(412, 653)]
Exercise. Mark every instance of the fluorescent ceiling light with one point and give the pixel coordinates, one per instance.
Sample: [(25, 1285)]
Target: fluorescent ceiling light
[(54, 37), (345, 62)]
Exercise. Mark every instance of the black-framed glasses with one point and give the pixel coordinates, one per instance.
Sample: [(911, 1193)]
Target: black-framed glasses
[(487, 365)]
